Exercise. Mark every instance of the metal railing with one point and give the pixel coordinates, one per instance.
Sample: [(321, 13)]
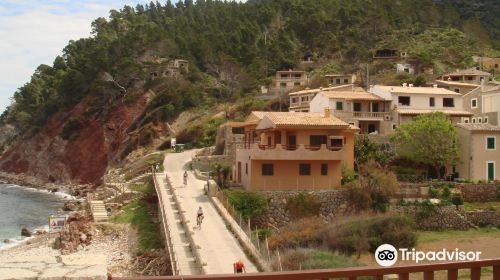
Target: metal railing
[(403, 272), (166, 228), (261, 244)]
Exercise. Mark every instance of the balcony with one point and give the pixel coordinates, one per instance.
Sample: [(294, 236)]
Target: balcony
[(294, 152), (361, 115)]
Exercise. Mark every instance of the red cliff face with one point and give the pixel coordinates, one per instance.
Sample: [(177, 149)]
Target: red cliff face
[(84, 157)]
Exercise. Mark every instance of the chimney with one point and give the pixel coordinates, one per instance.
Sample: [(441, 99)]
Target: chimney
[(410, 85), (404, 84), (328, 112), (434, 86)]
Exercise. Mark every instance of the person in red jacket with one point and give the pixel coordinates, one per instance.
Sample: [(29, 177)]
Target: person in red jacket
[(239, 267)]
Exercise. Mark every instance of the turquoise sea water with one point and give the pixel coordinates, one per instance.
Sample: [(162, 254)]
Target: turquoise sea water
[(25, 207)]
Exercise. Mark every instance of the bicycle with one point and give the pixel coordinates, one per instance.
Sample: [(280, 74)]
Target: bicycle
[(199, 220)]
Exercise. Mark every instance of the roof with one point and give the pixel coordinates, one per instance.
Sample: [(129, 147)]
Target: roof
[(452, 83), (351, 95), (418, 90), (316, 90), (290, 71), (407, 111), (478, 127), (300, 119), (339, 75), (471, 72)]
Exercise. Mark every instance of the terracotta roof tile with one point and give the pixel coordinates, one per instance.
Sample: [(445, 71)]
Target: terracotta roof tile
[(287, 119), (351, 95), (478, 126), (418, 90)]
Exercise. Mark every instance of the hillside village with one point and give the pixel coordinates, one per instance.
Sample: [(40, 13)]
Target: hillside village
[(304, 151)]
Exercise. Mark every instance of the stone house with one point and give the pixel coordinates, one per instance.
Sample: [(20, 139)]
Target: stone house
[(471, 75), (299, 100), (484, 103)]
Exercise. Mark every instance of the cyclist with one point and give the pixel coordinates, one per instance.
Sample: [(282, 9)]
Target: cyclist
[(185, 177), (239, 267), (199, 216)]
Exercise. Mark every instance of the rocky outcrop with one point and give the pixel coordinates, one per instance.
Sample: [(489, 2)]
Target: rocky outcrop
[(79, 156)]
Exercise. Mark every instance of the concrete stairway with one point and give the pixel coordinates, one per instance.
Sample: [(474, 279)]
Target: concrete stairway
[(98, 210)]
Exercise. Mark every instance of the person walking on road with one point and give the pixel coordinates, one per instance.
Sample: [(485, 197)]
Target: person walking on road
[(239, 267)]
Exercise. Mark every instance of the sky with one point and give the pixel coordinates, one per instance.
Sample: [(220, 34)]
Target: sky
[(34, 32)]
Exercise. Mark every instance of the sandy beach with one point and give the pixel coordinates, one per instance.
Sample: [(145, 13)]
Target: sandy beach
[(109, 240)]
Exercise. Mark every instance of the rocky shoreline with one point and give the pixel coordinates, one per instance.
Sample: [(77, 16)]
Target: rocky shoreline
[(24, 180)]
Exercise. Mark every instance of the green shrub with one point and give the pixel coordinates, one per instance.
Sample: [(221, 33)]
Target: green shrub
[(301, 233), (457, 199), (433, 192), (373, 189), (264, 233), (348, 175), (425, 209), (446, 193), (248, 204), (303, 205), (366, 234)]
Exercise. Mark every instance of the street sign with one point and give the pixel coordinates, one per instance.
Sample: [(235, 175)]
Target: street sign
[(56, 223)]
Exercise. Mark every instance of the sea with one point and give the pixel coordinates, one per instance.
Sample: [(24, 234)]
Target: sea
[(26, 207)]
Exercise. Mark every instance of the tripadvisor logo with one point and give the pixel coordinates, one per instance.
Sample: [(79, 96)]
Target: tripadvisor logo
[(388, 255)]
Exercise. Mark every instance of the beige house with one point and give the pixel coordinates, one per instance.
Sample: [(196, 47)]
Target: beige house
[(293, 151), (484, 103), (370, 112), (299, 100), (340, 79), (471, 76), (480, 154), (458, 87), (409, 102), (489, 63), (286, 81)]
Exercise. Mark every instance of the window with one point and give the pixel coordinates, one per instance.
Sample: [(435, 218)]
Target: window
[(296, 84), (473, 120), (317, 140), (297, 76), (267, 169), (246, 168), (457, 90), (357, 107), (404, 100), (295, 100), (337, 81), (469, 78), (374, 107), (284, 76), (479, 120), (485, 120), (432, 102), (394, 127), (324, 169), (337, 142), (491, 143), (304, 98), (282, 85), (473, 103), (304, 169), (346, 81), (339, 105), (466, 121), (448, 102), (496, 65)]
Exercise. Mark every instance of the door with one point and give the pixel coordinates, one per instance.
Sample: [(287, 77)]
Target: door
[(371, 128), (491, 171), (292, 141), (374, 107), (239, 172)]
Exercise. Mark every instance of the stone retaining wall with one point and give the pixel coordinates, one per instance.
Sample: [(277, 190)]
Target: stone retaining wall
[(480, 192), (484, 218), (441, 217), (333, 204)]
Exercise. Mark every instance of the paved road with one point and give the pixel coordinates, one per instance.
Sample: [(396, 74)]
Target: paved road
[(218, 247)]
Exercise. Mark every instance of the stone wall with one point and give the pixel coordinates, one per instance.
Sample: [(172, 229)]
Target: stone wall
[(480, 192), (484, 218), (333, 204), (441, 217)]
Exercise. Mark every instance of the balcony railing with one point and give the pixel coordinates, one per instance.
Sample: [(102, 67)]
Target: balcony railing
[(352, 114), (294, 152), (403, 272)]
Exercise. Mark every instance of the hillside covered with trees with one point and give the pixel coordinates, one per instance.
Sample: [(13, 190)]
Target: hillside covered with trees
[(99, 97)]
